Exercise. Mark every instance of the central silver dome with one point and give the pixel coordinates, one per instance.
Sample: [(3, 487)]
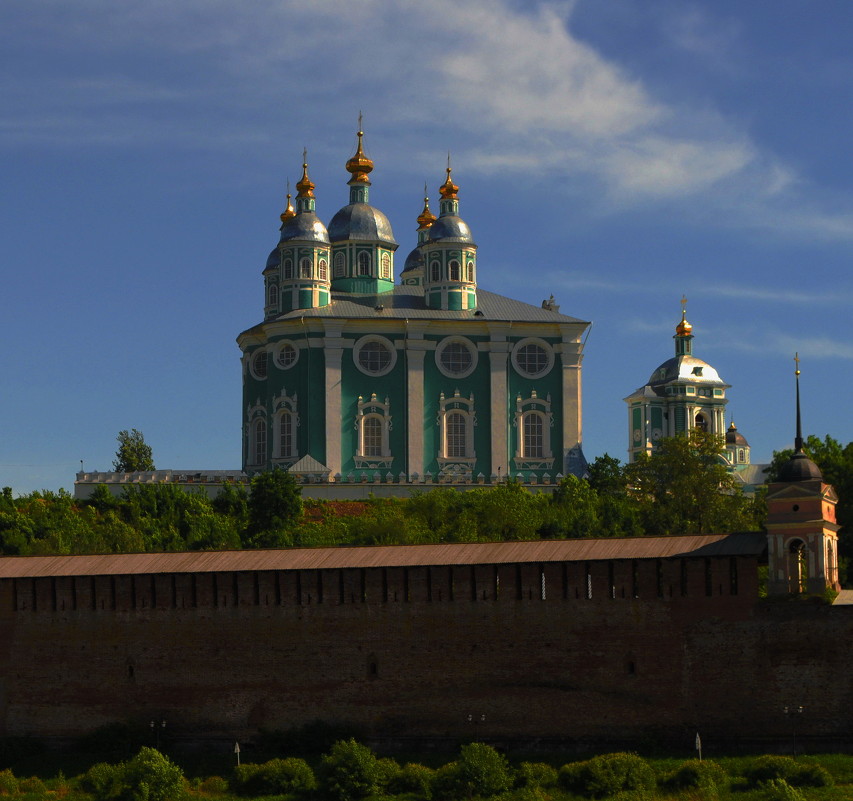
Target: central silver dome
[(685, 368), (450, 226), (362, 222)]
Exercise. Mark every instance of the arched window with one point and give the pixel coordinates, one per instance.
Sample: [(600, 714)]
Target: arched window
[(286, 435), (469, 277), (454, 270), (455, 435), (322, 272), (364, 263), (273, 295), (259, 441), (435, 271), (371, 433), (340, 265), (305, 267), (798, 567), (373, 424), (701, 422), (287, 268), (386, 267), (533, 436)]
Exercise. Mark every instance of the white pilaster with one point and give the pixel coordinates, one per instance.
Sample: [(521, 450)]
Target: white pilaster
[(415, 353), (333, 351)]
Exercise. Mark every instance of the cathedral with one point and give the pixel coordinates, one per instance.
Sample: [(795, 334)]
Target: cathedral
[(354, 375)]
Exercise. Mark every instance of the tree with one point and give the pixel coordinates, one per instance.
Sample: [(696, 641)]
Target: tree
[(350, 771), (133, 453), (684, 488), (275, 506)]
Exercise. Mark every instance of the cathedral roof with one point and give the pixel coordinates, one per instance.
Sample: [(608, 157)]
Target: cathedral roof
[(734, 437), (685, 368), (407, 302), (305, 226), (450, 227), (800, 468), (362, 222), (414, 260)]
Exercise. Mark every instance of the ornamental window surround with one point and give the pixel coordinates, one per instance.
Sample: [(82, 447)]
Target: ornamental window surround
[(305, 267), (287, 268), (256, 428), (454, 270), (374, 355), (385, 267), (258, 364), (285, 423), (469, 276), (322, 270), (364, 263), (532, 357), (456, 420), (456, 357), (273, 295), (435, 271), (373, 426), (533, 423)]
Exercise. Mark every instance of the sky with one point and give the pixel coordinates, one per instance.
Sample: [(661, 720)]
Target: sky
[(617, 154)]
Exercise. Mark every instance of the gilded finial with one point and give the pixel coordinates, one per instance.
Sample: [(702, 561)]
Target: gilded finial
[(288, 212), (305, 187), (449, 190), (683, 328), (359, 165), (797, 362), (426, 218)]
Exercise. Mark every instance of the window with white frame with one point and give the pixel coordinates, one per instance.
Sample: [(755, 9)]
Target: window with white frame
[(364, 263), (533, 424), (373, 426), (258, 364), (469, 277), (286, 354), (340, 265), (435, 270), (532, 357), (259, 441), (285, 424), (273, 295), (456, 357), (374, 355), (305, 267), (322, 270), (456, 421), (454, 270), (287, 268), (386, 266)]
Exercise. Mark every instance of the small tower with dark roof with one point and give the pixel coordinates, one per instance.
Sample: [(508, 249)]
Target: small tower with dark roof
[(450, 279), (802, 534), (304, 251), (413, 270)]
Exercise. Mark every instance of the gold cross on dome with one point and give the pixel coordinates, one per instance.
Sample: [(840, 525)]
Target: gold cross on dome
[(797, 362), (684, 305)]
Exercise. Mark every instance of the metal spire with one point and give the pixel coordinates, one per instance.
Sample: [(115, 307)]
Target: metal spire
[(798, 440)]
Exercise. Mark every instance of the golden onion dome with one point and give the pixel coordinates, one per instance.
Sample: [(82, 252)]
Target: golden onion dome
[(359, 165), (288, 213), (449, 190), (305, 187), (684, 328), (426, 218)]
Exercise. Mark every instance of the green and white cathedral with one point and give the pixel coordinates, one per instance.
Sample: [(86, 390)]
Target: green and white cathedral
[(354, 376), (687, 393)]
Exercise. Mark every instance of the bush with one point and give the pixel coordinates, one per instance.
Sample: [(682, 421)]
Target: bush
[(694, 774), (350, 771), (536, 774), (103, 781), (768, 768), (388, 771), (8, 783), (33, 784), (152, 776), (480, 770), (413, 778), (810, 776), (780, 790), (606, 775), (213, 785)]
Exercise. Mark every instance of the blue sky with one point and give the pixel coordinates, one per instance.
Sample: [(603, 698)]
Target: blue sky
[(615, 153)]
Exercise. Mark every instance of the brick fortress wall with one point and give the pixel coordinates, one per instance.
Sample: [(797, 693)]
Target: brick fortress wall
[(612, 650)]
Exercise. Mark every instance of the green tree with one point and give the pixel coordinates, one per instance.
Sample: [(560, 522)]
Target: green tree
[(133, 453), (151, 776), (684, 488), (350, 771), (275, 506)]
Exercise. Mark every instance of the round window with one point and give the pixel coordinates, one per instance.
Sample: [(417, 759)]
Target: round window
[(532, 357), (286, 355), (374, 355), (259, 364), (456, 357)]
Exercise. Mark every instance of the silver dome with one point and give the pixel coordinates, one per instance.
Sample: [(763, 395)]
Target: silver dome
[(449, 226), (362, 222), (415, 260), (274, 260), (685, 368), (305, 226)]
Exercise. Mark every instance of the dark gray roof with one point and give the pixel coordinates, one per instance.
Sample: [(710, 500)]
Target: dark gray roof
[(407, 302), (361, 222), (450, 227), (305, 226)]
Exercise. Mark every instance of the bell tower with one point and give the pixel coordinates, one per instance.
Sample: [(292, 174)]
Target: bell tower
[(802, 535)]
